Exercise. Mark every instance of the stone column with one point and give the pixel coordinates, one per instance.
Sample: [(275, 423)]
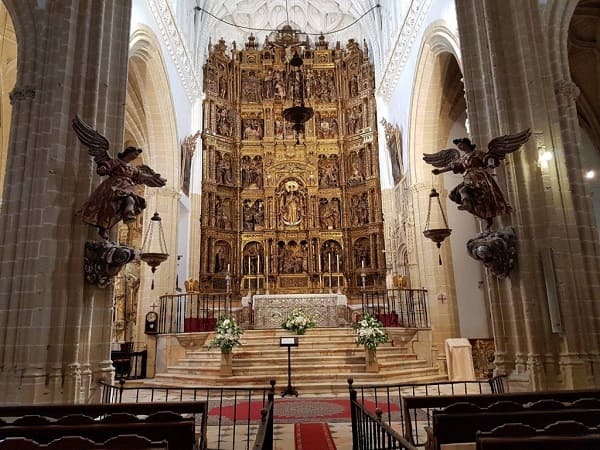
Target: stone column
[(72, 60), (508, 91)]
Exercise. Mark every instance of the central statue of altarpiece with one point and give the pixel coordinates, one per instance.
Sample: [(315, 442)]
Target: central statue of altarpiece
[(283, 217)]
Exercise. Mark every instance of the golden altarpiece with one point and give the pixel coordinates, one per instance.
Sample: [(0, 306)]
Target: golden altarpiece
[(283, 213)]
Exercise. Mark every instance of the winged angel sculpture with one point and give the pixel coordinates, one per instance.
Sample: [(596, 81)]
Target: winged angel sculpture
[(478, 193), (115, 198)]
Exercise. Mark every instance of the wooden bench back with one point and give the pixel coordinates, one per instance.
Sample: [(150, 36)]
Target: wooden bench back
[(179, 432), (127, 442), (461, 422), (557, 436)]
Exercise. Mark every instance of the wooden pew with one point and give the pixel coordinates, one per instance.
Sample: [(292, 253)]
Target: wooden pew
[(129, 442), (176, 430), (115, 410), (412, 403), (557, 436), (460, 422)]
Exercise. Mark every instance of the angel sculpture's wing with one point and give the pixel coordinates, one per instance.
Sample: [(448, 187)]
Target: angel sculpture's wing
[(149, 177), (96, 143), (501, 146), (443, 158)]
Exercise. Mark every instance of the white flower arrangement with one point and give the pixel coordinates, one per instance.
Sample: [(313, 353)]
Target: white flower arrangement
[(228, 334), (369, 332), (298, 321)]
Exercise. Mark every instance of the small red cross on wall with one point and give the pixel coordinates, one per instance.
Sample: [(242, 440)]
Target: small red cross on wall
[(442, 298)]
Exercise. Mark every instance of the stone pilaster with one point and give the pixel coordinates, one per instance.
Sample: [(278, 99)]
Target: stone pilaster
[(72, 60), (508, 91)]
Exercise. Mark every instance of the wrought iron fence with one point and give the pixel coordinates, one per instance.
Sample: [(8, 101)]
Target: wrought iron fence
[(388, 398), (406, 308), (233, 412), (369, 432), (189, 312)]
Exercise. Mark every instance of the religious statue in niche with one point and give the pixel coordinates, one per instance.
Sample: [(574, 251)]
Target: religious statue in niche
[(279, 128), (267, 86), (324, 86), (252, 170), (115, 198), (252, 129), (329, 213), (354, 116), (353, 83), (293, 257), (224, 171), (210, 84), (359, 214), (497, 250), (393, 139), (328, 171), (250, 87), (326, 125), (252, 258), (279, 85), (221, 257), (224, 121), (362, 254), (222, 87), (331, 256), (222, 213), (188, 147), (357, 172), (478, 193), (291, 197)]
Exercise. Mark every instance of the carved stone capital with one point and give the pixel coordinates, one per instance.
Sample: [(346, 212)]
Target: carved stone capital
[(497, 250), (103, 260), (21, 93), (567, 89)]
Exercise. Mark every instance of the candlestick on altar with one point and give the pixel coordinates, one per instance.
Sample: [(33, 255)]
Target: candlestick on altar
[(337, 263), (330, 273), (362, 262), (258, 264)]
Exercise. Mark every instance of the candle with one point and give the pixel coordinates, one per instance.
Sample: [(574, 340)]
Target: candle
[(337, 257), (329, 262), (227, 267), (362, 261), (257, 264)]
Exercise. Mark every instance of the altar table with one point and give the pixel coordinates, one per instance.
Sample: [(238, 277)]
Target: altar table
[(327, 310)]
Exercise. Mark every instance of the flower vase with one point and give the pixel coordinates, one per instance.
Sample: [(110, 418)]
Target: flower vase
[(226, 369), (371, 360)]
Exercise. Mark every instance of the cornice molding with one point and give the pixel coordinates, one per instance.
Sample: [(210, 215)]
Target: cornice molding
[(391, 73), (173, 40)]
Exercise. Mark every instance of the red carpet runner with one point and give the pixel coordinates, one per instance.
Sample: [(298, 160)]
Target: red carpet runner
[(313, 436)]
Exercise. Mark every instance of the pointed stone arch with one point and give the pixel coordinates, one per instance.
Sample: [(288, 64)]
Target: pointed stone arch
[(150, 124)]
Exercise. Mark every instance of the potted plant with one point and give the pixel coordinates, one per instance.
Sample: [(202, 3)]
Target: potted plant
[(298, 321), (369, 334), (228, 337)]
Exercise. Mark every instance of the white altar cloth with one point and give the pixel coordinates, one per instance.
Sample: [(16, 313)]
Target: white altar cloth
[(325, 309)]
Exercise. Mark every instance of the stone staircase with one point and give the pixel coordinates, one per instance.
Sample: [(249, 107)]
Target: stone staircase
[(324, 359)]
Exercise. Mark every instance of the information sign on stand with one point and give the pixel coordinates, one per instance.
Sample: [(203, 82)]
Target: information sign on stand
[(289, 342)]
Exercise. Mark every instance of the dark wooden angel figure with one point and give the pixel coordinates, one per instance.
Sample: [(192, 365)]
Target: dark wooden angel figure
[(115, 198), (478, 193)]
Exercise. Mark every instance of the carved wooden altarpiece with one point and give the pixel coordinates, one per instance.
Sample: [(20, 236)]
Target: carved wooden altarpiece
[(276, 215)]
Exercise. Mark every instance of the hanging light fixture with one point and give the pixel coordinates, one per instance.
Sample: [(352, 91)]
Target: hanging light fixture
[(437, 235), (297, 114), (154, 247)]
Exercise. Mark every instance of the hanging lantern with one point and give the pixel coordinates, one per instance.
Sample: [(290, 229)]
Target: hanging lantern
[(297, 114), (437, 235), (154, 247)]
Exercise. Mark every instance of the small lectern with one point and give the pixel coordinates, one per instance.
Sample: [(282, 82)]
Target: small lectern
[(289, 342)]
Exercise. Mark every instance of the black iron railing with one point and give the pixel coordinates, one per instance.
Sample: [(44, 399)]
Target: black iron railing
[(192, 312), (369, 432), (406, 308), (232, 411), (388, 398), (264, 435)]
